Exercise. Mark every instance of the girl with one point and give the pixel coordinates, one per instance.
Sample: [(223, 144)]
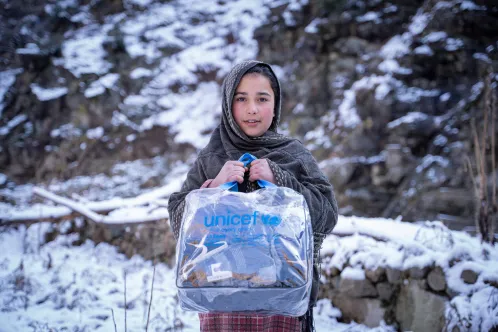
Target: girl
[(250, 116)]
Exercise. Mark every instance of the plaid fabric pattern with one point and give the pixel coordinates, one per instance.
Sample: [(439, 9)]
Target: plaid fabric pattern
[(242, 322)]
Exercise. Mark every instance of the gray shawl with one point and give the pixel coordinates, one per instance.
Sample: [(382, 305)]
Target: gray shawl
[(292, 164)]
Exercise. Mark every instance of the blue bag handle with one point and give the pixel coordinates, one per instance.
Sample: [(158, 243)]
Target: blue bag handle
[(246, 158)]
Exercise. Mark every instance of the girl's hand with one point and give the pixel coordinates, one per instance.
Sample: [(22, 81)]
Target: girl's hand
[(260, 170), (232, 171)]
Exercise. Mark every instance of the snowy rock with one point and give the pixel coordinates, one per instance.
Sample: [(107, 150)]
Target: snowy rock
[(394, 276), (418, 273), (420, 310), (385, 290), (357, 288), (366, 311), (436, 279), (469, 276), (376, 275)]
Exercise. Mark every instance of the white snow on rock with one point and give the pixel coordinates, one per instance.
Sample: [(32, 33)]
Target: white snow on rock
[(14, 122), (7, 78), (470, 5), (369, 17), (396, 47), (353, 273), (434, 37), (424, 49), (30, 48), (140, 72), (419, 22), (410, 117), (98, 87), (95, 133), (84, 54), (44, 94)]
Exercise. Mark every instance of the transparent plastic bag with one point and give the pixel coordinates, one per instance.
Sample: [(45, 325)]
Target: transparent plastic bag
[(245, 252)]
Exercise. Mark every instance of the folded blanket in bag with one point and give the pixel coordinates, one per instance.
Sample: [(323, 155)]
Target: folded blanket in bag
[(245, 252)]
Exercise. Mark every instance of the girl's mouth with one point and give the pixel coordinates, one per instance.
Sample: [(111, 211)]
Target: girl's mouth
[(251, 123)]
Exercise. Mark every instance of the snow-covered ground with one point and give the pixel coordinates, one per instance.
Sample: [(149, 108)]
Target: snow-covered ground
[(60, 287)]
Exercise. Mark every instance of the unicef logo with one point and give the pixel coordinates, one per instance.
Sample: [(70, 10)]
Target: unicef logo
[(241, 219)]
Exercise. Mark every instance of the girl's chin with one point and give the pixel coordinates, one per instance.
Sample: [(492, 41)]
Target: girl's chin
[(253, 133)]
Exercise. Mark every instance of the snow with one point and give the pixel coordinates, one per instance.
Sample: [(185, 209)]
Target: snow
[(3, 179), (470, 5), (95, 133), (7, 78), (347, 109), (419, 22), (30, 48), (409, 118), (44, 94), (14, 122), (453, 44), (66, 131), (369, 17), (312, 27), (392, 66), (482, 56), (429, 160), (85, 55), (98, 87), (353, 273), (424, 49), (396, 47), (185, 110), (445, 97), (86, 285), (140, 72), (435, 36)]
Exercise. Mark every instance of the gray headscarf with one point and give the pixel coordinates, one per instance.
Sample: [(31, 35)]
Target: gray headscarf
[(232, 137)]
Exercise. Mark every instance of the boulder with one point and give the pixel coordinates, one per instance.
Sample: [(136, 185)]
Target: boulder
[(420, 310), (364, 311), (357, 288), (436, 279)]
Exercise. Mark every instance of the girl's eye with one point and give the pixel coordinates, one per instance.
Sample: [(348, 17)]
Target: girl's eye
[(240, 99), (262, 99)]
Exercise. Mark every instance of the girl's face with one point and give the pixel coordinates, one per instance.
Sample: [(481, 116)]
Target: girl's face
[(253, 104)]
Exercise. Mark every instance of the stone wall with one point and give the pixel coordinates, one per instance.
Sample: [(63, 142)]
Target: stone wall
[(412, 300)]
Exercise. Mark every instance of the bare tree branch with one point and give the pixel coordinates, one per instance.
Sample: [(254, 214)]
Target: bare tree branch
[(151, 292)]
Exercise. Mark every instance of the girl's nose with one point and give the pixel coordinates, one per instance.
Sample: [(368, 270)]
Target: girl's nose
[(252, 109)]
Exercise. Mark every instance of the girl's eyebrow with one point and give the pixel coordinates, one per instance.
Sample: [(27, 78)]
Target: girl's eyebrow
[(258, 93)]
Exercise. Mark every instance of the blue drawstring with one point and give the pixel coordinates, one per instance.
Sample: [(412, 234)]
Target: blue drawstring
[(246, 158)]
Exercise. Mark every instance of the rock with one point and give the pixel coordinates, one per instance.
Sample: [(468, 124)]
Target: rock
[(353, 46), (399, 161), (420, 310), (393, 276), (436, 279), (357, 288), (334, 271), (376, 275), (451, 292), (418, 273), (339, 173), (365, 311), (385, 290), (469, 276)]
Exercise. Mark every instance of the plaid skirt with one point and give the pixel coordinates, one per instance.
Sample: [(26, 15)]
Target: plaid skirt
[(243, 322)]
